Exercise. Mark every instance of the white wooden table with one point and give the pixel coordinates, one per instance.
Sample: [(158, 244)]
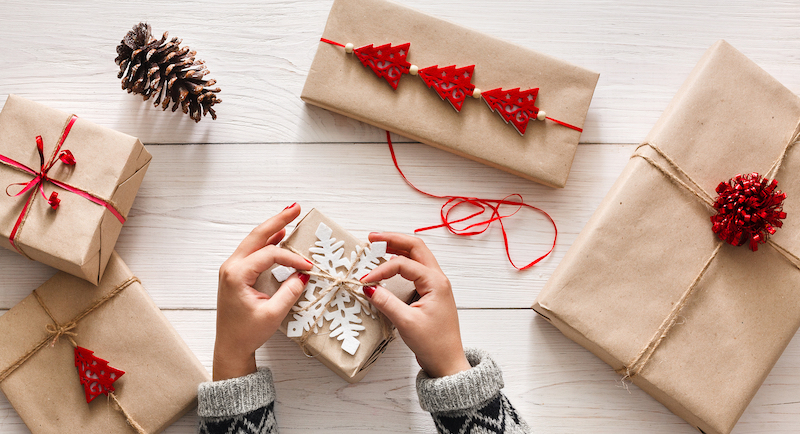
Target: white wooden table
[(210, 183)]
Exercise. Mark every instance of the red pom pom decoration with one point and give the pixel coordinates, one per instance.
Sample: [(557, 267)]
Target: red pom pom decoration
[(749, 208)]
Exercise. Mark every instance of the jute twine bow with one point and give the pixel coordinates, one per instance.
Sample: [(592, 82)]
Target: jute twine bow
[(638, 363), (348, 283), (56, 331)]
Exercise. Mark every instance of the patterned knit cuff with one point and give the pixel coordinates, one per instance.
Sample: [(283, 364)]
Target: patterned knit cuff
[(463, 390), (235, 396)]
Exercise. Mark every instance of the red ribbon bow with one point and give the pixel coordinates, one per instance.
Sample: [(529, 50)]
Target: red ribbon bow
[(41, 177)]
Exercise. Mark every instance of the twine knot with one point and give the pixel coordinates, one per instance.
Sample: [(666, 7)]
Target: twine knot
[(57, 331)]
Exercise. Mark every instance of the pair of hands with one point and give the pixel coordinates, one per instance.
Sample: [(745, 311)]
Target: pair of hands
[(246, 318)]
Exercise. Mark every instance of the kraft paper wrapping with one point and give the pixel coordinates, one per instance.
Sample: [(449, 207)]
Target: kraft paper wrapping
[(129, 331), (79, 236), (340, 83), (649, 240), (327, 350)]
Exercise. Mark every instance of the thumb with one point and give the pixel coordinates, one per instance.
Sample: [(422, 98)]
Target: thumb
[(286, 296), (388, 303)]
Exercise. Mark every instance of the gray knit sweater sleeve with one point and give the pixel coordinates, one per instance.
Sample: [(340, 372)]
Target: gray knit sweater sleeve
[(243, 405), (470, 401)]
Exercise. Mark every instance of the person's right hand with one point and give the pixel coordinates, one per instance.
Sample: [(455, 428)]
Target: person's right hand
[(428, 326)]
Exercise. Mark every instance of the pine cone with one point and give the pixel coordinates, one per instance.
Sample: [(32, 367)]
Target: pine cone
[(164, 69)]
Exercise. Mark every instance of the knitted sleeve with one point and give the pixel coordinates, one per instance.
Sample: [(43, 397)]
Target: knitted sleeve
[(243, 405), (470, 401)]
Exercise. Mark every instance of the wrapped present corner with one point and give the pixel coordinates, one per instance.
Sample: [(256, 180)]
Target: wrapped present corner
[(540, 150), (333, 320), (666, 297), (70, 342), (67, 186)]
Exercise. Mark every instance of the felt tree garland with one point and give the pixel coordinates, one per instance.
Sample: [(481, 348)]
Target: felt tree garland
[(453, 84), (95, 375)]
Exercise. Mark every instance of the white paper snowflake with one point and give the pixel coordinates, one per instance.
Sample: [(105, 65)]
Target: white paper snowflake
[(339, 307)]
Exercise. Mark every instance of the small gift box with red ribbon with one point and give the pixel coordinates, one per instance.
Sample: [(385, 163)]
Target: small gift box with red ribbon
[(67, 186), (452, 88), (96, 359), (333, 320), (686, 278)]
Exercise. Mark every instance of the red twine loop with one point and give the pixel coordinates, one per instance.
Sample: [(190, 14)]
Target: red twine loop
[(482, 205), (67, 158), (749, 208)]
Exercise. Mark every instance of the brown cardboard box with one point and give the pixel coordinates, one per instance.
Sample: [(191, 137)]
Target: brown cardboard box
[(327, 349), (80, 235), (340, 83), (128, 330), (650, 238)]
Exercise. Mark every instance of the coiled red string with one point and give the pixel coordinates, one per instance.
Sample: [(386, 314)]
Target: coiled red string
[(481, 204)]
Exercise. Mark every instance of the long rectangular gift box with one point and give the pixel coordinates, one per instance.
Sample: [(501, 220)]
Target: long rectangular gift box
[(71, 342), (333, 320), (652, 290), (339, 82), (70, 186)]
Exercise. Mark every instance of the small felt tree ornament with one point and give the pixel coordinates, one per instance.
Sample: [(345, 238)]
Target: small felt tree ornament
[(166, 70), (451, 83), (386, 61), (514, 106), (95, 375)]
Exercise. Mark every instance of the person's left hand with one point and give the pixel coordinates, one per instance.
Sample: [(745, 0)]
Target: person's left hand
[(246, 318)]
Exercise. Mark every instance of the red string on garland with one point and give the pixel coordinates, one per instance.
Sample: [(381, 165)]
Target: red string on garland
[(331, 42), (40, 178), (481, 204)]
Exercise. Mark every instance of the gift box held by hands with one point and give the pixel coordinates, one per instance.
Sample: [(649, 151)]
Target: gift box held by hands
[(95, 359), (657, 284), (333, 320), (541, 101), (67, 187)]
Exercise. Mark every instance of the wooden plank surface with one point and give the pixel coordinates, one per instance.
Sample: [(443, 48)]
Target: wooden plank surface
[(215, 180)]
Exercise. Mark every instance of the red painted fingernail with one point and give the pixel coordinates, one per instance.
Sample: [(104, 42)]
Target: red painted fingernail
[(364, 277), (309, 261), (304, 278), (290, 206), (369, 290)]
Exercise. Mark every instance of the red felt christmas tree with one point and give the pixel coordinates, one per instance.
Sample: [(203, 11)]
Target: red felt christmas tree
[(513, 105), (451, 83), (386, 61), (95, 374)]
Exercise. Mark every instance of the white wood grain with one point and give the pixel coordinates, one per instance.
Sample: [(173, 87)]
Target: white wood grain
[(61, 53), (558, 387), (198, 202), (268, 149)]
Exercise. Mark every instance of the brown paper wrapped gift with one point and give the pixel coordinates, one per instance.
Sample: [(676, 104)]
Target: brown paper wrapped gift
[(332, 349), (125, 328), (338, 82), (79, 236), (642, 287)]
